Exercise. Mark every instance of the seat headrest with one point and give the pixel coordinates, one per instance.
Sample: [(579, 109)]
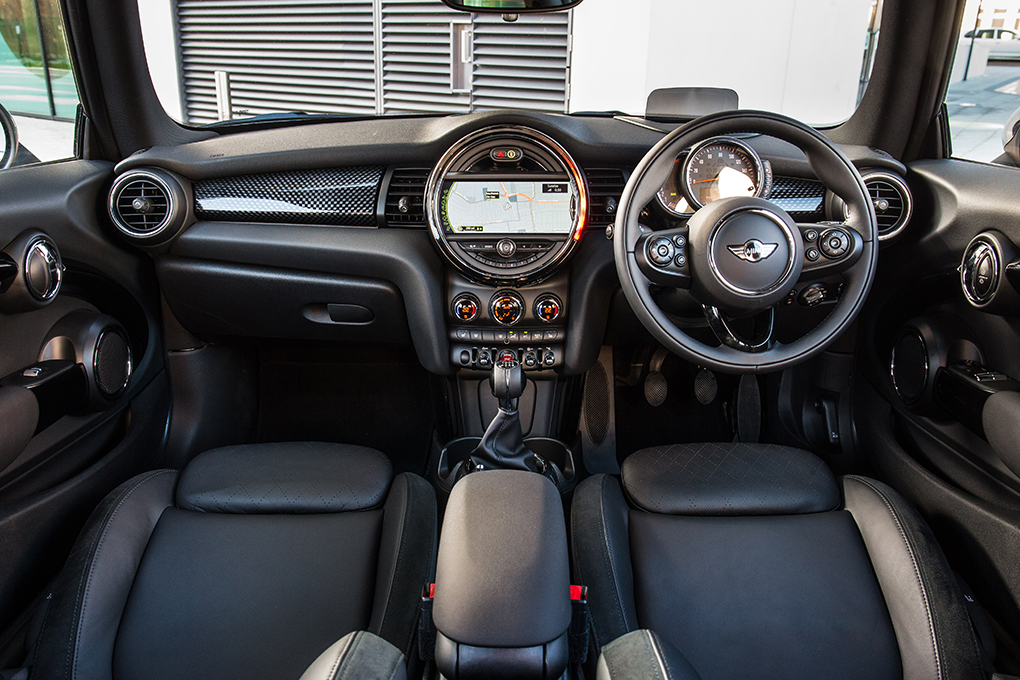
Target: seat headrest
[(729, 479), (285, 478)]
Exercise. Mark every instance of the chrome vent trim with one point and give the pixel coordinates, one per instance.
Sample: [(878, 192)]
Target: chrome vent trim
[(405, 197), (890, 189), (135, 218)]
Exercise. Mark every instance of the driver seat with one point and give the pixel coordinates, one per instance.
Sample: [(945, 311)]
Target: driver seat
[(752, 560)]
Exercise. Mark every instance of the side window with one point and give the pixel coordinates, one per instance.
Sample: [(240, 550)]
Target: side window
[(984, 89), (37, 86)]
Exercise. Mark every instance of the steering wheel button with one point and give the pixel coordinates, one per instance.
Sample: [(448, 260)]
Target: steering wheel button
[(680, 260), (810, 235), (661, 251), (834, 243), (680, 240), (811, 254)]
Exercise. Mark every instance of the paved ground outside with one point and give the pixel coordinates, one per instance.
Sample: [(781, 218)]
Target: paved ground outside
[(979, 107)]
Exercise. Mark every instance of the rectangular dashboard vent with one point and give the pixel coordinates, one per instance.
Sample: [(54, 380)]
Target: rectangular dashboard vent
[(605, 186), (405, 198)]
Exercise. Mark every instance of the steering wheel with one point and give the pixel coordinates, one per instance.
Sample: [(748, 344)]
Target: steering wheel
[(740, 256)]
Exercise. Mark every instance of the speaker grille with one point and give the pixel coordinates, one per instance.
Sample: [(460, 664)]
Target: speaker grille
[(112, 363), (596, 403), (909, 366)]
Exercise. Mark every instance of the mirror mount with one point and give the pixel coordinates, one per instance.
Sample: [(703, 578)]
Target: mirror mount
[(511, 9), (9, 152)]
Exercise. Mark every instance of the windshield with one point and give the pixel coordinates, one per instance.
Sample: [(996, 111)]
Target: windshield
[(216, 60)]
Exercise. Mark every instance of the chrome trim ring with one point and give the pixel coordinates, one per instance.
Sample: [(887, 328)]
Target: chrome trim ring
[(759, 169), (118, 187), (908, 202), (433, 198), (46, 249), (95, 361), (892, 368), (981, 245), (790, 260)]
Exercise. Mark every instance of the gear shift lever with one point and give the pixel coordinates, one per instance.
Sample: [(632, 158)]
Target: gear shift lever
[(502, 445)]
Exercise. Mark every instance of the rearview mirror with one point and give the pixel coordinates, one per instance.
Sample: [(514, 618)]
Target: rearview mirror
[(9, 148), (511, 6)]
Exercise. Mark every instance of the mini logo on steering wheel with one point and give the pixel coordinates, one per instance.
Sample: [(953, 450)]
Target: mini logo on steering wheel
[(753, 250)]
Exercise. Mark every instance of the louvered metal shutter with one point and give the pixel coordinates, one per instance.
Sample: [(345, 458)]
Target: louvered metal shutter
[(523, 64), (416, 57), (327, 56), (282, 55)]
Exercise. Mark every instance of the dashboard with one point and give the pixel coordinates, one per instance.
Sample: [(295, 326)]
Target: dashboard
[(464, 236)]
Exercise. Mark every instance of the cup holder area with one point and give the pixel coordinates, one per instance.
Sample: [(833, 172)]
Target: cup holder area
[(458, 450)]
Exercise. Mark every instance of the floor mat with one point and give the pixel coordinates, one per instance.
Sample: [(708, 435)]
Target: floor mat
[(381, 404), (681, 417)]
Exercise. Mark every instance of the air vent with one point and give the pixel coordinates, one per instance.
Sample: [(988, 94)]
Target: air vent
[(141, 204), (892, 202), (605, 186), (405, 198)]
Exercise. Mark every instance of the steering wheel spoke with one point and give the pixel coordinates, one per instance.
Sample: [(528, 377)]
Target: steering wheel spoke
[(761, 339), (829, 248), (662, 257)]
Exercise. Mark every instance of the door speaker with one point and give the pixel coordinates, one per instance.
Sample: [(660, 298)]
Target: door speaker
[(100, 345)]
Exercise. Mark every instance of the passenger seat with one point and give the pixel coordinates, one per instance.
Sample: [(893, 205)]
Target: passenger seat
[(249, 563)]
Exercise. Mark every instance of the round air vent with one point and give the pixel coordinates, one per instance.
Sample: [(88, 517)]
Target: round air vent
[(985, 274), (145, 203), (893, 204)]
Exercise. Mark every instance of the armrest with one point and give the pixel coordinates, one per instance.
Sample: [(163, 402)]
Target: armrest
[(502, 598)]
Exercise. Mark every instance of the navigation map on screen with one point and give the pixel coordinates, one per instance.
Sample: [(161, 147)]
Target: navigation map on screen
[(508, 207)]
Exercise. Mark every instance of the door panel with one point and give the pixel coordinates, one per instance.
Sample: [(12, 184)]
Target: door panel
[(919, 439), (107, 436)]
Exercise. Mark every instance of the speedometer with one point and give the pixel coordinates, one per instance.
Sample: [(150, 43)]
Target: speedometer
[(721, 168)]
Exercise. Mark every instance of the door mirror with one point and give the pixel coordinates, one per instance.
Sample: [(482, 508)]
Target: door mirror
[(9, 148), (511, 7)]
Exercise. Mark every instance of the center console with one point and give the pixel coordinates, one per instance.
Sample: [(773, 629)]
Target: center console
[(506, 206)]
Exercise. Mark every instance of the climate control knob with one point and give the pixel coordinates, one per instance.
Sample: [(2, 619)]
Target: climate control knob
[(506, 307), (548, 307), (465, 307)]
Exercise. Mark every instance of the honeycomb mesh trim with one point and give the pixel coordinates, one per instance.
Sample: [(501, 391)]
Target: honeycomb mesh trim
[(338, 196), (802, 198)]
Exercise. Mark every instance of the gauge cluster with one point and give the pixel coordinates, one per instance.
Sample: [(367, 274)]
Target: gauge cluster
[(720, 167)]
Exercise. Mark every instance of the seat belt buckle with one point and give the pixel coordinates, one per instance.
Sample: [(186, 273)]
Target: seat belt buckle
[(426, 627), (577, 633)]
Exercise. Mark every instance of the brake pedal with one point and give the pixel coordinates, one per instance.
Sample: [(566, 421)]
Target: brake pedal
[(706, 387)]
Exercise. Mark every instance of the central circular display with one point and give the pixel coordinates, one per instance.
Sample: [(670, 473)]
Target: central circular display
[(506, 205), (751, 252)]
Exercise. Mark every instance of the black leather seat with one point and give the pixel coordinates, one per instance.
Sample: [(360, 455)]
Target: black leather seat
[(249, 563), (754, 561)]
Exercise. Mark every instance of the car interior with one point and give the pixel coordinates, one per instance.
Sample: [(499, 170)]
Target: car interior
[(702, 391)]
